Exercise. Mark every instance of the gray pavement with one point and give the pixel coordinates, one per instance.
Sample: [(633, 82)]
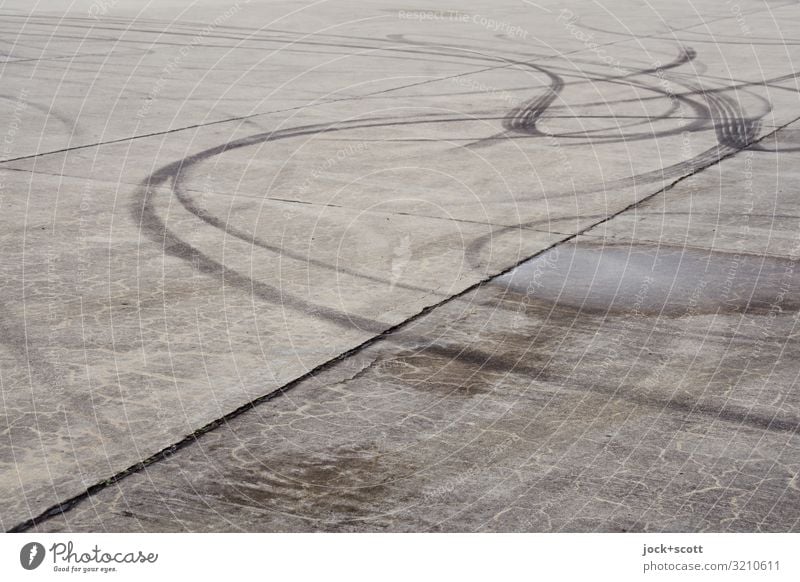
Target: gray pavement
[(361, 267)]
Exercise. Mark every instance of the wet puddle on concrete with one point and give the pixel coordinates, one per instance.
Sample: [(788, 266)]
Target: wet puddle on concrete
[(655, 280)]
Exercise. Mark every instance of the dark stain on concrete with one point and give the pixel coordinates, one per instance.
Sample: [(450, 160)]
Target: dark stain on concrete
[(333, 487), (653, 280), (459, 370)]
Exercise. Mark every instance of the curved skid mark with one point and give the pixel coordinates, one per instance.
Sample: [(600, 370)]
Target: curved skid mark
[(143, 212)]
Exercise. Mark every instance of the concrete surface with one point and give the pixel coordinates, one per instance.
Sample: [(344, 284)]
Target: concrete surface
[(356, 266)]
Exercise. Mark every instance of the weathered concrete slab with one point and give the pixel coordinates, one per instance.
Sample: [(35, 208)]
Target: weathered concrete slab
[(203, 202), (606, 385)]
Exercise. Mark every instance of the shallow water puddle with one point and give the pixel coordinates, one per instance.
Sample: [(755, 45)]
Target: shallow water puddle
[(656, 279)]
